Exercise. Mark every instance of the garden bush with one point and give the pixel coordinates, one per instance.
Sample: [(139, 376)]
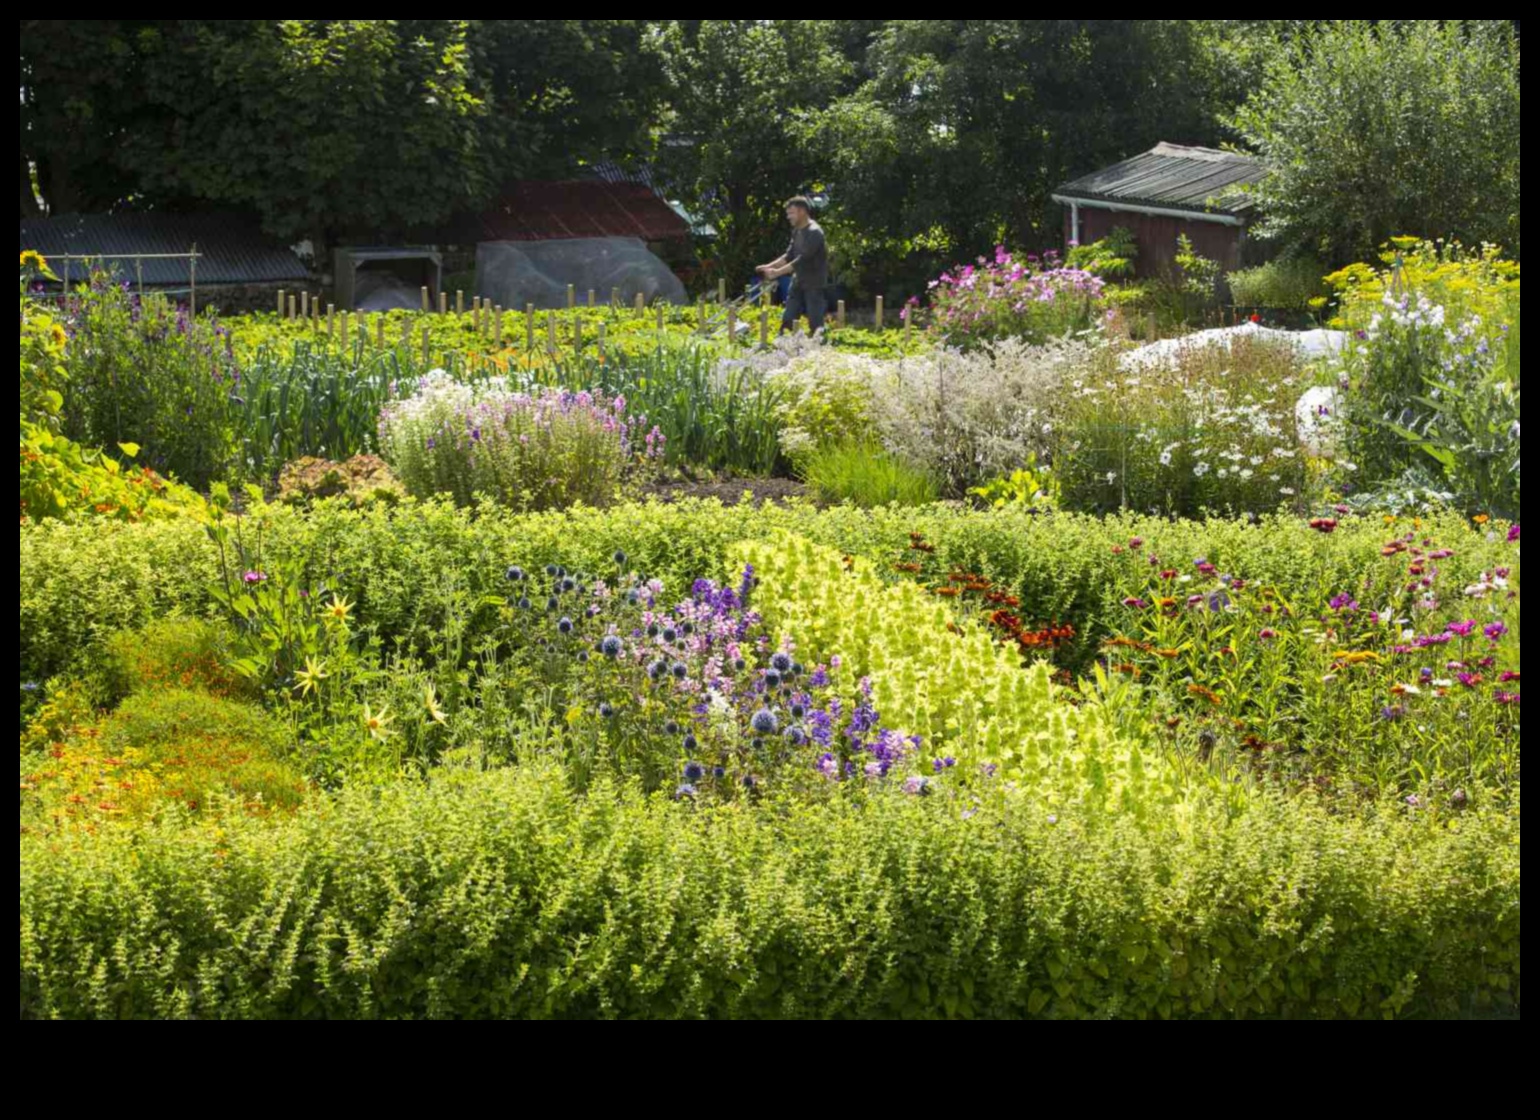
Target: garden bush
[(501, 894), (1291, 283)]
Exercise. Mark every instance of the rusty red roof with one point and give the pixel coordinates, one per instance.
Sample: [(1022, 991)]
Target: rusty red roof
[(547, 211)]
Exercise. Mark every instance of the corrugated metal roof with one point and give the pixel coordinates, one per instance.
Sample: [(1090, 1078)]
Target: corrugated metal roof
[(232, 250), (1175, 176), (534, 211)]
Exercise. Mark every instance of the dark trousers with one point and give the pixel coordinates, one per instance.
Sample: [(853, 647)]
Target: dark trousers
[(801, 301)]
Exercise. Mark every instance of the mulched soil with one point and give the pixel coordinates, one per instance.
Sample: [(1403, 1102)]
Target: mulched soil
[(729, 491)]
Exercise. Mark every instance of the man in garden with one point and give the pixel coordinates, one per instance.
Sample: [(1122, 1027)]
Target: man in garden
[(807, 260)]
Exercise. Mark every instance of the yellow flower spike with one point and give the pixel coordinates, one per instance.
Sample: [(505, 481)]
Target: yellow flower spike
[(377, 723)]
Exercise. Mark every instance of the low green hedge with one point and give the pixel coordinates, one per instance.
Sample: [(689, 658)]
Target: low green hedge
[(500, 894), (82, 581)]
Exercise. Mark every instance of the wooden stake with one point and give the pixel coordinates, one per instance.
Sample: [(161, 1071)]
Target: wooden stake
[(660, 317), (304, 305), (379, 330), (592, 295), (425, 299), (764, 327), (614, 298), (331, 320), (459, 301), (476, 314), (280, 303), (292, 307), (443, 303), (571, 296), (839, 314), (700, 315), (721, 291), (877, 321), (641, 304)]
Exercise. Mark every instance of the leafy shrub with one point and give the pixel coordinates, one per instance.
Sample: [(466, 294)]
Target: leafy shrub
[(360, 480), (1290, 283), (549, 449), (1111, 257), (60, 477), (1031, 298), (164, 746), (502, 894), (866, 475), (1466, 283), (185, 653), (1213, 428)]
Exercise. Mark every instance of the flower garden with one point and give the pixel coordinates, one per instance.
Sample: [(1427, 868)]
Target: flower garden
[(363, 673)]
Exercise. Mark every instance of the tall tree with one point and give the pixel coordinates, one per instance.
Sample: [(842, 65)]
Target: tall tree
[(1372, 129)]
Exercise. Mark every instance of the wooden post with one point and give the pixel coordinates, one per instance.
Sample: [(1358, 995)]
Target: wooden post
[(591, 296), (764, 326), (379, 330), (641, 304), (550, 333), (614, 298), (529, 329), (571, 296), (331, 320), (721, 291), (877, 320), (280, 293), (839, 314), (443, 303), (497, 326), (292, 308), (459, 301), (1149, 329), (345, 332), (700, 315), (732, 324), (425, 299), (476, 314), (601, 342), (406, 335), (660, 317), (304, 305)]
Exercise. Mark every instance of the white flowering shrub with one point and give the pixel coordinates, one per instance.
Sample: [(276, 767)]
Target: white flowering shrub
[(1213, 428)]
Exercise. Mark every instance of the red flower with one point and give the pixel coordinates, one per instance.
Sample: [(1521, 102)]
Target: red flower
[(1255, 318), (1323, 524)]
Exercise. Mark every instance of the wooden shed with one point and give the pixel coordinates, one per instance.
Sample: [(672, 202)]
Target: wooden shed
[(1157, 195)]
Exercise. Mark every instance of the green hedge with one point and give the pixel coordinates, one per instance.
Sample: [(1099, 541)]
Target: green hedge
[(482, 894), (81, 581)]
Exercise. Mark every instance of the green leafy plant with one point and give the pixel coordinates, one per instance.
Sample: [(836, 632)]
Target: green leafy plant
[(1111, 257), (866, 475)]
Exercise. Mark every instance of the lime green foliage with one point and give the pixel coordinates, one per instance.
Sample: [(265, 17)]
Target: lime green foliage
[(503, 895), (1286, 284), (60, 477), (963, 692), (188, 653), (1112, 257), (866, 475), (1034, 486), (1463, 281)]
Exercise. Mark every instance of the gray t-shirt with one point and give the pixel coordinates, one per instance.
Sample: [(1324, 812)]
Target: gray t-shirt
[(809, 256)]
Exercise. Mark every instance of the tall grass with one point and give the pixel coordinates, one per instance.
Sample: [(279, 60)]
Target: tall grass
[(867, 476)]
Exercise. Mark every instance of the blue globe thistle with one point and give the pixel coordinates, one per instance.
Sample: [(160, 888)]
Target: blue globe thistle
[(772, 678), (514, 574), (738, 664), (619, 558), (798, 711), (685, 792), (671, 728), (764, 722), (720, 772), (569, 584), (551, 603), (564, 625), (780, 662), (795, 737), (652, 630), (687, 628), (669, 634), (694, 771), (657, 668), (606, 711), (679, 669), (796, 669), (749, 781), (610, 646), (757, 744), (582, 656), (689, 742), (524, 603), (632, 597), (550, 569), (560, 571)]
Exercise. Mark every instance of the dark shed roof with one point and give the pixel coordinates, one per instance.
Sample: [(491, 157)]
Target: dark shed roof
[(548, 211), (231, 250), (1173, 176)]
